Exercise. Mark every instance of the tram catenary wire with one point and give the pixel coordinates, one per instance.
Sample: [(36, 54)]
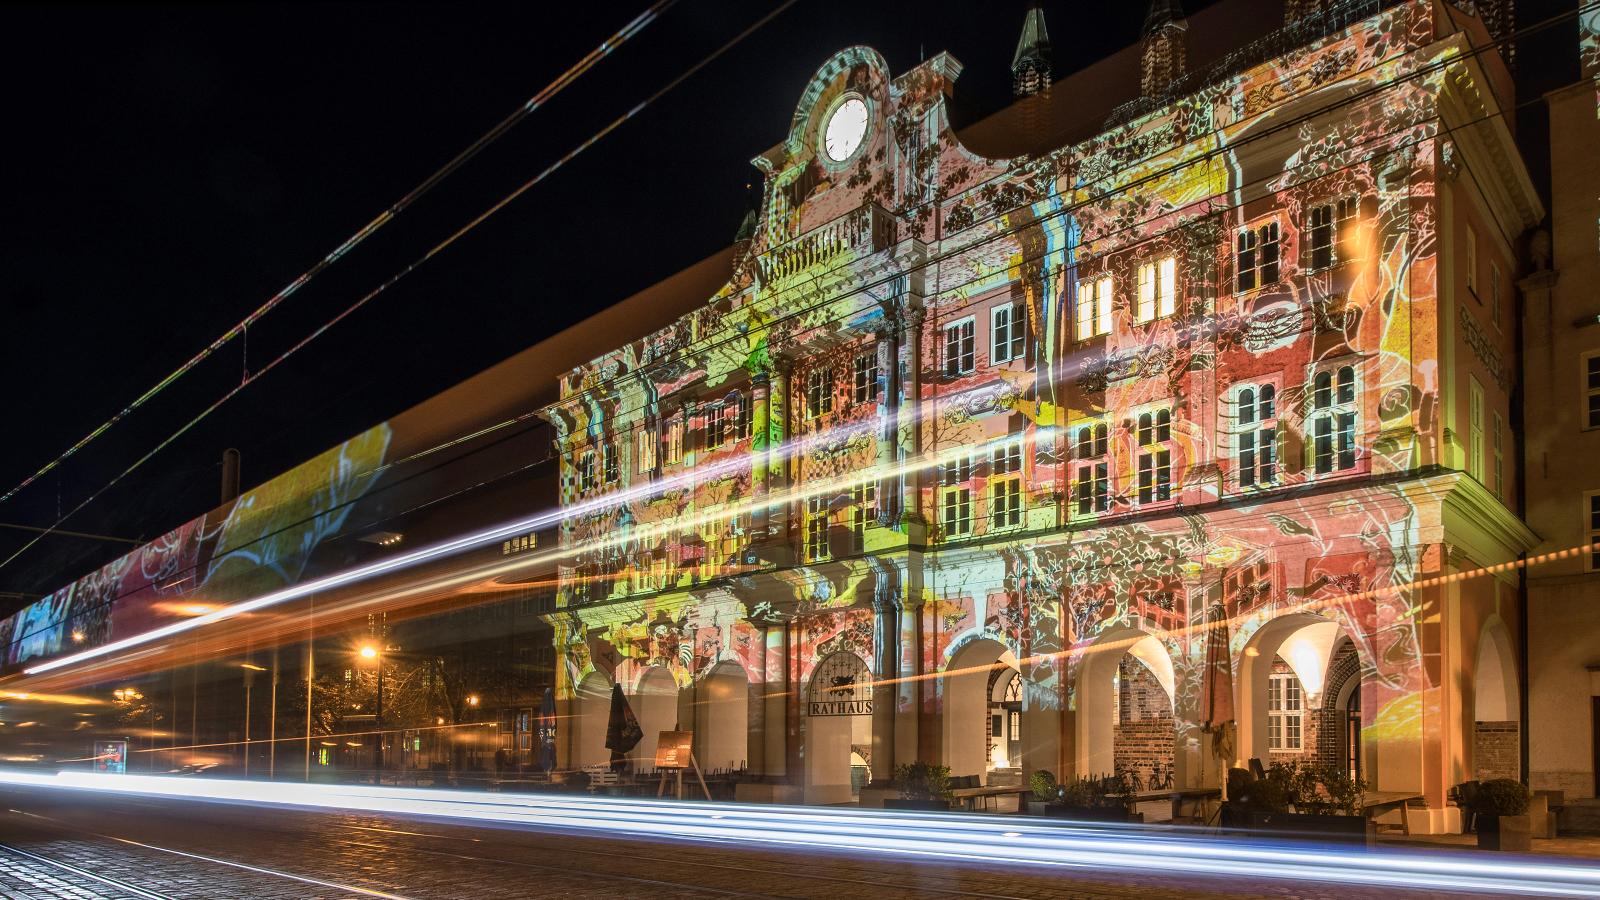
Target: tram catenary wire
[(1426, 69)]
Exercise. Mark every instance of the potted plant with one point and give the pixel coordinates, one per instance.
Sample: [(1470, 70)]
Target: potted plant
[(1500, 810), (922, 786), (1101, 798), (1301, 802), (1043, 784)]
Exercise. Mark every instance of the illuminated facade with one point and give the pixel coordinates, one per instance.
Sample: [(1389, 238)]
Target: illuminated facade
[(968, 435)]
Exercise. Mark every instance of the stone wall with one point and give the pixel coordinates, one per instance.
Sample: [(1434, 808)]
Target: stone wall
[(1144, 737), (1496, 750)]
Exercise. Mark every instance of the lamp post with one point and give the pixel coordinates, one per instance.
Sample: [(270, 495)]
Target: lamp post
[(250, 670), (375, 653)]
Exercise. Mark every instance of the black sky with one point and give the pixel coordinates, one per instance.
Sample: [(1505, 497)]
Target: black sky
[(166, 169)]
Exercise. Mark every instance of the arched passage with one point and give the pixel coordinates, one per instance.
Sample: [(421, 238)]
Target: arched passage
[(966, 691), (1125, 674), (593, 711), (838, 722), (655, 705), (1496, 706), (722, 718), (1283, 674)]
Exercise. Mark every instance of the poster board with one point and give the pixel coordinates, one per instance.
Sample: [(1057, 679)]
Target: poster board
[(673, 749), (111, 757)]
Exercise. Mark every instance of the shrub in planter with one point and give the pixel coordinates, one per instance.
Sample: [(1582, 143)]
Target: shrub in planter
[(922, 786), (1043, 784), (1500, 812), (1104, 798), (1299, 801)]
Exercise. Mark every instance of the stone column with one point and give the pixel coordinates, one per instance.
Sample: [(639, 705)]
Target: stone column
[(760, 411), (888, 355), (779, 463), (886, 608), (911, 425)]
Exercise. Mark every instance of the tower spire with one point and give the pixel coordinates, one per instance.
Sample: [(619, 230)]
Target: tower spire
[(1030, 66), (1166, 54)]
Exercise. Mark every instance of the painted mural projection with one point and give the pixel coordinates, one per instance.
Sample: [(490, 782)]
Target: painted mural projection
[(257, 543), (1117, 386)]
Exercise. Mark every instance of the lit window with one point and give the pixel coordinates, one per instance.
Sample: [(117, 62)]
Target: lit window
[(1005, 485), (672, 441), (1328, 233), (819, 393), (1475, 429), (646, 442), (1592, 521), (1093, 481), (1591, 390), (1154, 435), (864, 379), (960, 348), (863, 510), (1256, 257), (1333, 420), (1094, 308), (1499, 455), (1158, 285), (1008, 333), (1284, 708), (719, 425), (958, 496), (1472, 260), (816, 528), (1256, 435), (586, 474)]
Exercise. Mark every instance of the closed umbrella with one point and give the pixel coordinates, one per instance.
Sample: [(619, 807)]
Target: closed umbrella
[(622, 729), (1216, 703), (547, 730)]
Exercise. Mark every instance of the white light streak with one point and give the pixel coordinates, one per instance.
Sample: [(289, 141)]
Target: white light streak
[(974, 838)]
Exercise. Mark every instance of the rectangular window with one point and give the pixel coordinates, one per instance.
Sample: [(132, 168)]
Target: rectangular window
[(1256, 434), (1158, 285), (1005, 485), (863, 510), (864, 380), (1094, 308), (1592, 529), (612, 464), (1333, 420), (1475, 429), (1591, 390), (957, 476), (1472, 260), (672, 441), (1284, 708), (586, 474), (1499, 456), (746, 414), (1008, 332), (1154, 436), (717, 427), (960, 348), (1256, 257), (1317, 252), (646, 443), (819, 393), (816, 528), (1093, 492)]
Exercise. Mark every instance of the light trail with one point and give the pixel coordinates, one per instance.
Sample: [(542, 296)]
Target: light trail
[(994, 840)]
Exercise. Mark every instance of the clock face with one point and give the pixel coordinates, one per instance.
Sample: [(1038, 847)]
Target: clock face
[(846, 129)]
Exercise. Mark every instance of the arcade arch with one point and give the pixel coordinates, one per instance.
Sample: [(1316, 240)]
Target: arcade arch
[(722, 718), (967, 688), (594, 710), (838, 725), (655, 705), (1105, 742)]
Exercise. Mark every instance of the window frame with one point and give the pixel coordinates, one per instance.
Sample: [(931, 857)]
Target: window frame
[(864, 377), (1499, 444), (1016, 338), (646, 452), (964, 359), (955, 496), (1475, 430), (1158, 289), (1334, 413), (1090, 440), (1153, 455), (1006, 464), (1281, 716), (1095, 298), (1589, 381), (1472, 261), (863, 512), (1591, 528), (1260, 267), (1261, 424), (820, 385), (816, 533)]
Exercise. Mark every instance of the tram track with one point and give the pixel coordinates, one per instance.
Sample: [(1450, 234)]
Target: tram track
[(123, 887)]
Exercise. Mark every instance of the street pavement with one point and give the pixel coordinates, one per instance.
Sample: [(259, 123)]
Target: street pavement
[(57, 844)]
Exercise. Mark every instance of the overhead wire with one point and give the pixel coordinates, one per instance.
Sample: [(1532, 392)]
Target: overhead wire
[(1475, 50), (632, 28)]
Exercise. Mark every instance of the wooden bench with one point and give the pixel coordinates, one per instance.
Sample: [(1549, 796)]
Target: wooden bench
[(600, 777), (969, 797), (1377, 803)]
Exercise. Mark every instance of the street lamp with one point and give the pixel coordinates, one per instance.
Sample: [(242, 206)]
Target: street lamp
[(375, 653)]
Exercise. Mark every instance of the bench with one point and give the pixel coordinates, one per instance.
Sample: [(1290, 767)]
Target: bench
[(970, 796), (600, 777)]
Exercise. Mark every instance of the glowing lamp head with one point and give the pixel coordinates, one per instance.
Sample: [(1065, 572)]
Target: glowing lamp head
[(472, 700), (369, 652)]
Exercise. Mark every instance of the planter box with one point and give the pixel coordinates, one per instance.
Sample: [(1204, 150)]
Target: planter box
[(1505, 832), (924, 805), (1091, 813), (1303, 826)]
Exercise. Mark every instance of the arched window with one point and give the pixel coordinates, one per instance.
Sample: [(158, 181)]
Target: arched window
[(1247, 406)]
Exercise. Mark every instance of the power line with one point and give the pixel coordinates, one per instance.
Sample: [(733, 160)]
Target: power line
[(388, 215), (433, 251)]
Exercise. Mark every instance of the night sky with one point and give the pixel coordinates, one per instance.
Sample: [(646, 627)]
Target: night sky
[(167, 169)]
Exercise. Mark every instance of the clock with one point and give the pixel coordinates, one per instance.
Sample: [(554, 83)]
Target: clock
[(845, 130)]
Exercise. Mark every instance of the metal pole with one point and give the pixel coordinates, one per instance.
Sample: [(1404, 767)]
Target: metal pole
[(272, 726), (377, 777), (249, 677)]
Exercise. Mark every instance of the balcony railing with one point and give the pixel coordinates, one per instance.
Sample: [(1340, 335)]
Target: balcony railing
[(860, 232)]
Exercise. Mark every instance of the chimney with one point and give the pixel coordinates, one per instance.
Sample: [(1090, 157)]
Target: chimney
[(230, 475), (1165, 50), (1030, 66)]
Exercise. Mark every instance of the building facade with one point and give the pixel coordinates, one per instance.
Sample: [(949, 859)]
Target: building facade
[(976, 453), (1562, 362)]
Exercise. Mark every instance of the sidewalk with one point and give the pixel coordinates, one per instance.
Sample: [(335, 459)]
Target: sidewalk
[(1577, 846)]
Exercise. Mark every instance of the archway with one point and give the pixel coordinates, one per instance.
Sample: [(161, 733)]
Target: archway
[(1283, 674), (838, 724), (722, 718), (1496, 706), (655, 705), (1125, 712), (593, 712), (966, 697)]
